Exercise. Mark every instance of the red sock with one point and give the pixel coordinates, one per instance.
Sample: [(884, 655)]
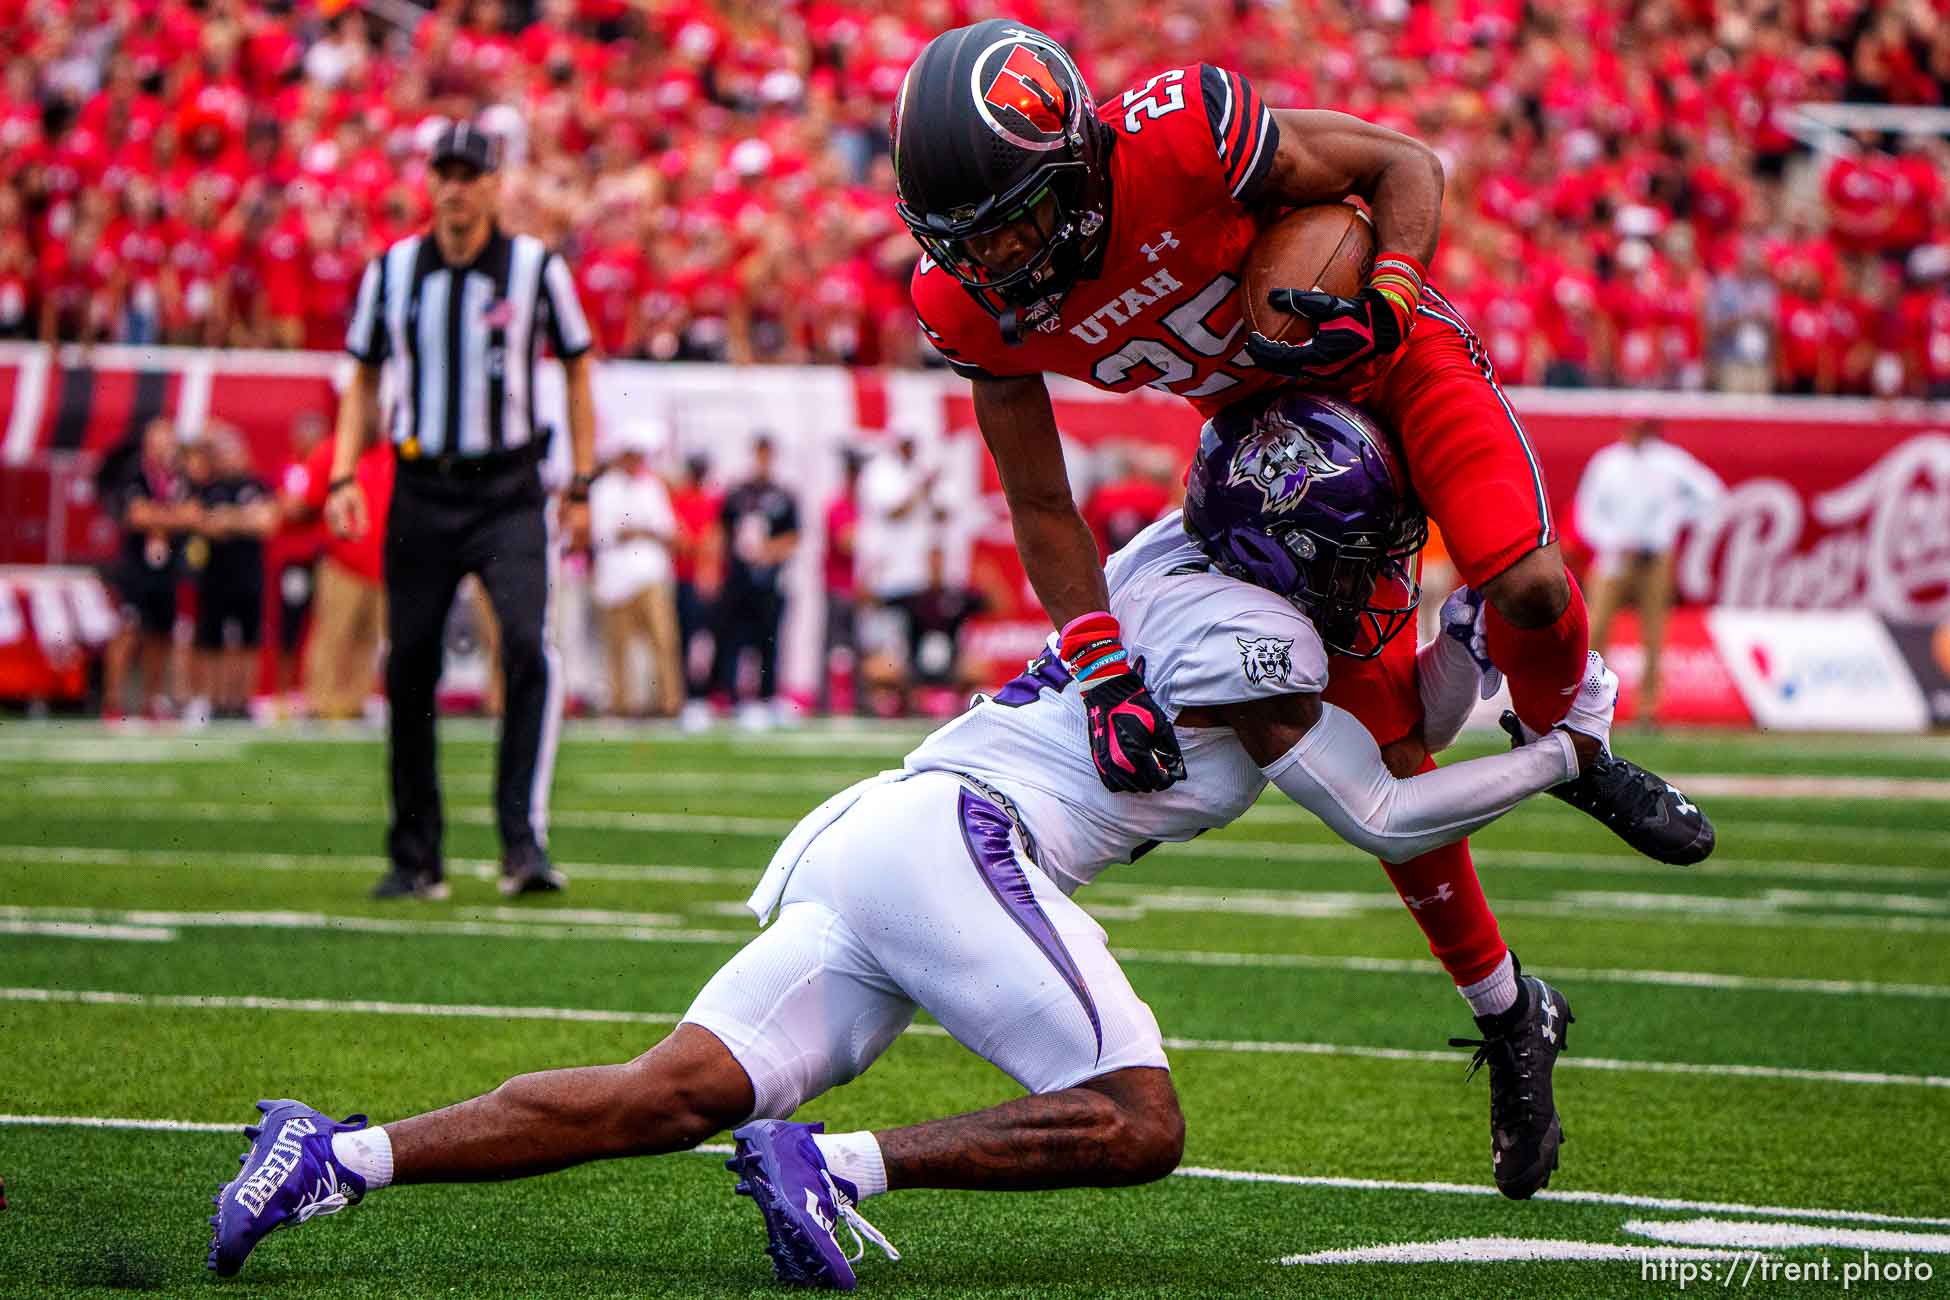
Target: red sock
[(1446, 899), (1543, 664)]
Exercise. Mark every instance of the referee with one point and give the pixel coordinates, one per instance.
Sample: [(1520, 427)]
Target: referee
[(462, 312)]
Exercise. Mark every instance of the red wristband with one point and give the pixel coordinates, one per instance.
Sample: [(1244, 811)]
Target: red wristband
[(1092, 648), (1399, 278)]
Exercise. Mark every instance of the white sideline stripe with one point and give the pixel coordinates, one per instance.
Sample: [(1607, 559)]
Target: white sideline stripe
[(653, 927), (1569, 1197), (232, 859), (1497, 860), (363, 1007), (87, 930), (104, 1121), (363, 814), (775, 827), (1915, 789), (316, 921), (1588, 975), (1240, 1047), (1869, 1078), (1784, 1236), (1187, 1171), (105, 748), (1502, 1250)]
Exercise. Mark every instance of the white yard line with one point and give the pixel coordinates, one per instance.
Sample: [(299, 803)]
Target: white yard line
[(1568, 1197), (1506, 1250), (1815, 1213), (1241, 1047), (596, 925), (329, 922), (776, 827), (1784, 1236), (1489, 860), (86, 930), (1567, 974), (352, 863), (359, 1007)]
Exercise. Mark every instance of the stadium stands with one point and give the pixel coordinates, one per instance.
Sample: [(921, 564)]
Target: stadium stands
[(1627, 202)]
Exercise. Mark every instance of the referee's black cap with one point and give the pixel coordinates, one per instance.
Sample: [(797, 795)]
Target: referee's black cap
[(463, 142)]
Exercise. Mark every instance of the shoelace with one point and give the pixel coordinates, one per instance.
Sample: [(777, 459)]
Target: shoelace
[(328, 1197), (1502, 1103), (857, 1224), (1644, 790)]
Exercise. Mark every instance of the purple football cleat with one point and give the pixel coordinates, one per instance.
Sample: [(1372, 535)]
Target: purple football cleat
[(289, 1176), (781, 1169)]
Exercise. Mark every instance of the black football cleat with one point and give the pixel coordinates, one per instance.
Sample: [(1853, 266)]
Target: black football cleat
[(1521, 1048), (530, 873), (1646, 811)]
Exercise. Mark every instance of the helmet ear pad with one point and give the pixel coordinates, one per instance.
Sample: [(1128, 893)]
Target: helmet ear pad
[(1257, 556)]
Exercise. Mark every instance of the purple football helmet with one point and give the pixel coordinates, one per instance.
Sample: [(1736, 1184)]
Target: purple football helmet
[(1305, 496)]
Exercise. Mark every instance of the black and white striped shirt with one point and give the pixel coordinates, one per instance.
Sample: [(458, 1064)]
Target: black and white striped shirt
[(466, 339)]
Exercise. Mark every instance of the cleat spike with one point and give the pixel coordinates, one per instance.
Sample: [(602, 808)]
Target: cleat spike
[(252, 1132)]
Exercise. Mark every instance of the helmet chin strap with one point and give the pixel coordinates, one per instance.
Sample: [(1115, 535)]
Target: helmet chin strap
[(1010, 322)]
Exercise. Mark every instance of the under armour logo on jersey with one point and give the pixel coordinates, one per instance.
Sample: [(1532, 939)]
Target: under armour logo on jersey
[(1442, 894), (1152, 251)]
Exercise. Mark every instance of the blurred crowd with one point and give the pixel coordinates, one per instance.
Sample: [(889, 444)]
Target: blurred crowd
[(1626, 204)]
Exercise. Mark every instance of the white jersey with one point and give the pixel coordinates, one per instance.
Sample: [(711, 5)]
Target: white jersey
[(1205, 639)]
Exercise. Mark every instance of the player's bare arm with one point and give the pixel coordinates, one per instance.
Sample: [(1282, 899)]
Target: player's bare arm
[(1130, 737), (1325, 156), (1059, 554)]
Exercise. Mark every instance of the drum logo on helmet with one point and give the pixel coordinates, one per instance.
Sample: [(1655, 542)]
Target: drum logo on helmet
[(1022, 98), (1280, 460)]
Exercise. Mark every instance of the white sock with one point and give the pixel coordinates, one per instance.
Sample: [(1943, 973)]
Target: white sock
[(1495, 992), (367, 1153), (855, 1157)]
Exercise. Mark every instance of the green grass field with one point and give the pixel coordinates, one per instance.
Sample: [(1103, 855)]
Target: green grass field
[(1763, 1042)]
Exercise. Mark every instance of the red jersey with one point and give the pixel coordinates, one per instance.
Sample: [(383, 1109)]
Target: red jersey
[(697, 512), (1192, 149), (1927, 313), (364, 555)]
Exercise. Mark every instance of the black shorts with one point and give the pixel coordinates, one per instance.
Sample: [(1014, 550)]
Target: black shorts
[(296, 583), (147, 600), (222, 604)]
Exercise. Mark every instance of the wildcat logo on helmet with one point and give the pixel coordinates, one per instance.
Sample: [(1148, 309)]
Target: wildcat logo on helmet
[(1280, 460), (1266, 658), (1020, 96)]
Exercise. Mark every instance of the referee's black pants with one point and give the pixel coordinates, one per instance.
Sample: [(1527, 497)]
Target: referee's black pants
[(438, 531)]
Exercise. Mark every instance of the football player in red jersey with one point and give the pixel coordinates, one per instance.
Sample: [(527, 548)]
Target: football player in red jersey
[(1106, 244)]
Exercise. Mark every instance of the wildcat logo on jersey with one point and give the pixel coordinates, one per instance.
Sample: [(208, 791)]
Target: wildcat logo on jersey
[(1266, 658), (1281, 460)]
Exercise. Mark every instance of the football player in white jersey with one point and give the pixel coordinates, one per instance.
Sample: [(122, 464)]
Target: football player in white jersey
[(945, 885)]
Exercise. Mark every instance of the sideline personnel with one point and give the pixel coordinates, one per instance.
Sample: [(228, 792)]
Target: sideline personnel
[(462, 311)]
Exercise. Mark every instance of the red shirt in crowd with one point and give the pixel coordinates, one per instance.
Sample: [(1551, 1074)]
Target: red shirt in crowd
[(697, 512), (842, 523), (363, 556)]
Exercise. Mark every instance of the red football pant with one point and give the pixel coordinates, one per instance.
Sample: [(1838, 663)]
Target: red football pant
[(1474, 471), (1446, 900)]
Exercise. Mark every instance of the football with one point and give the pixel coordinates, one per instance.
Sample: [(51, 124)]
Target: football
[(1328, 246)]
